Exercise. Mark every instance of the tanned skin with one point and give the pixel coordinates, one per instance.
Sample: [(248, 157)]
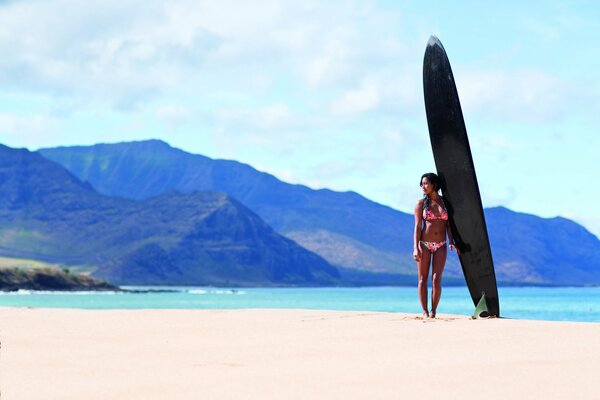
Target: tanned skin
[(431, 231)]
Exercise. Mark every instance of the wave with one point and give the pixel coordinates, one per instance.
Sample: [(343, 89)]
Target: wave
[(232, 291), (125, 290), (25, 292), (204, 291)]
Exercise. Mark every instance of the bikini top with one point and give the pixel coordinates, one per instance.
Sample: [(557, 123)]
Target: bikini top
[(428, 215)]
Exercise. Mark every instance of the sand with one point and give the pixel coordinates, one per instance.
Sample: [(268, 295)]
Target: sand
[(290, 354)]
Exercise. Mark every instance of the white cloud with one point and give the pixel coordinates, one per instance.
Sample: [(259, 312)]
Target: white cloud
[(525, 95), (329, 170), (26, 131), (171, 111), (365, 98), (173, 115), (587, 220), (492, 196), (127, 51), (275, 117), (335, 57)]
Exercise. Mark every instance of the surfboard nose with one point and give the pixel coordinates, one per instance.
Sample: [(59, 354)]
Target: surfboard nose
[(434, 41)]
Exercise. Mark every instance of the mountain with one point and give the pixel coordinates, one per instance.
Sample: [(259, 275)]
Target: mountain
[(346, 229), (200, 238), (531, 249)]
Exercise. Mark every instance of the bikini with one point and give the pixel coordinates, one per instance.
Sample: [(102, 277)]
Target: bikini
[(428, 215)]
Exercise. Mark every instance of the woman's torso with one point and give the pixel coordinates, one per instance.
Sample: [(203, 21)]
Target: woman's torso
[(435, 218)]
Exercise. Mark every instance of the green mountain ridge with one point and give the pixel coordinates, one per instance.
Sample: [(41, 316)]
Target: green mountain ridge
[(144, 169), (346, 229), (200, 238)]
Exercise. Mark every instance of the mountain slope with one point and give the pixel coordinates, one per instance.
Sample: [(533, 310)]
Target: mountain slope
[(199, 238), (345, 228), (527, 248), (140, 170)]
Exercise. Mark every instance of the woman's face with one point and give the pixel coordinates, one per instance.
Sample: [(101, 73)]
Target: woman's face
[(426, 186)]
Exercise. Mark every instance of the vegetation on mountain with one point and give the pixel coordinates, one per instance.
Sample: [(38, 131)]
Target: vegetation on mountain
[(12, 279), (346, 229), (376, 234), (200, 238)]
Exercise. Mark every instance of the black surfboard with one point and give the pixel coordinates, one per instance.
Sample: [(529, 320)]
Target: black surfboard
[(454, 164)]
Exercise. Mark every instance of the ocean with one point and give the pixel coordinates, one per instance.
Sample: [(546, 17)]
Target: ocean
[(537, 303)]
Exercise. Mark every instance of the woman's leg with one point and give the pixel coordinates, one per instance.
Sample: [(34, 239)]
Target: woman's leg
[(439, 261), (423, 273)]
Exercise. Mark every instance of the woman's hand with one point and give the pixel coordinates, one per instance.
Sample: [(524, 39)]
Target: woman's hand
[(417, 254), (454, 248)]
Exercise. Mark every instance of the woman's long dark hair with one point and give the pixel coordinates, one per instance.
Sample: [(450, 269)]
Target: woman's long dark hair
[(435, 181)]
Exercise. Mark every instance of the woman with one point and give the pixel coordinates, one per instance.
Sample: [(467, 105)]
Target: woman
[(431, 228)]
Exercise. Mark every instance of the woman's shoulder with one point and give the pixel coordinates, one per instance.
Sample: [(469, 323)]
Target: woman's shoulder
[(419, 207)]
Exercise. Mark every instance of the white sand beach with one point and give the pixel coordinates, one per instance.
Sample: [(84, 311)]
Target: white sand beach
[(290, 354)]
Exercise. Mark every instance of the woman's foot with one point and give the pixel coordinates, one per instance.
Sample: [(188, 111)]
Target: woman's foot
[(432, 315), (425, 314)]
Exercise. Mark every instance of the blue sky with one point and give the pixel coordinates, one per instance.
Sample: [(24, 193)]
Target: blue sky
[(328, 94)]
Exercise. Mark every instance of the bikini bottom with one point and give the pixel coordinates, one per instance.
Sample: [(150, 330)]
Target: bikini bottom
[(433, 246)]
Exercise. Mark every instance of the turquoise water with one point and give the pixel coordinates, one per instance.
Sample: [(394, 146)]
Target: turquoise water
[(557, 304)]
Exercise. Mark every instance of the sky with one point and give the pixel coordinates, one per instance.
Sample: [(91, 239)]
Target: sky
[(323, 93)]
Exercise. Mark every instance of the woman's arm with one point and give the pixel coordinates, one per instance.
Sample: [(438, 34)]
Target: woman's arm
[(451, 243), (418, 227)]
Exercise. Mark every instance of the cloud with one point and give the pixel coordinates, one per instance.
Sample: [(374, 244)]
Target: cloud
[(174, 115), (365, 98), (273, 128), (334, 58), (345, 58), (401, 196), (591, 223), (128, 51), (524, 95), (492, 196), (275, 117), (27, 131), (91, 50), (123, 52), (331, 170)]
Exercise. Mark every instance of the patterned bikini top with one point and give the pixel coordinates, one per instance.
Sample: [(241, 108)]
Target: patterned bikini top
[(428, 215)]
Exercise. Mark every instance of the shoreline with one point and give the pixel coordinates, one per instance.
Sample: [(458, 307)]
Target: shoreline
[(541, 304), (404, 315), (290, 353)]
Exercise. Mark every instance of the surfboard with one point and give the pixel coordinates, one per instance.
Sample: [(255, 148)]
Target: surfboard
[(454, 164)]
